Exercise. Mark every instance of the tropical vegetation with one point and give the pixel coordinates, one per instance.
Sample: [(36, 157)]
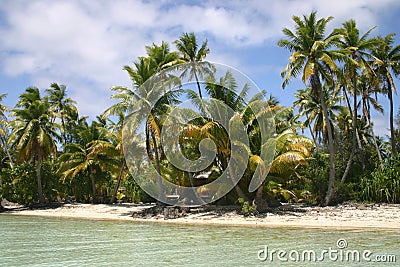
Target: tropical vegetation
[(327, 150)]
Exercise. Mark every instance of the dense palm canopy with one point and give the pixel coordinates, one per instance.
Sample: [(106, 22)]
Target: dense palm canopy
[(63, 107), (387, 63), (192, 53), (3, 120), (93, 156), (3, 110), (313, 58), (33, 135), (311, 109), (311, 55), (344, 72), (4, 130)]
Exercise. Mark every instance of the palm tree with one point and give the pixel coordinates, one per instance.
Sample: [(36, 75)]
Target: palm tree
[(33, 135), (115, 136), (311, 108), (193, 54), (397, 122), (123, 167), (145, 95), (357, 49), (4, 133), (369, 86), (397, 130), (62, 106), (92, 155), (226, 91), (387, 58), (312, 58), (158, 58), (292, 150), (3, 110), (161, 56)]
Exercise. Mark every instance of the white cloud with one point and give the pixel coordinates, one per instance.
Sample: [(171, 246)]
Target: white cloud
[(381, 125), (84, 44)]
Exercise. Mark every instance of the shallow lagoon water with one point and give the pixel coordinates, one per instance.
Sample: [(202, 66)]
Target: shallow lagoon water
[(42, 241)]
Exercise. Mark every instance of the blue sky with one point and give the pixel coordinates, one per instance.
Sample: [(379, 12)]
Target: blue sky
[(85, 44)]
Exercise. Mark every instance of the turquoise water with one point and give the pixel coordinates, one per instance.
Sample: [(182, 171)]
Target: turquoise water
[(40, 241)]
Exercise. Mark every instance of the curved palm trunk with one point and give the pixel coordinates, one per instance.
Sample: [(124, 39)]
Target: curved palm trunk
[(353, 147), (356, 137), (313, 136), (4, 144), (202, 108), (377, 150), (64, 136), (240, 193), (331, 148), (3, 141), (261, 204), (238, 190), (392, 141), (148, 143), (258, 198), (317, 89), (367, 116), (356, 141), (39, 181), (161, 195), (93, 182), (361, 149), (121, 171), (198, 84), (348, 166)]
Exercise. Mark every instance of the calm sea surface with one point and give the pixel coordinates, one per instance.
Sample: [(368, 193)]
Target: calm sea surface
[(40, 241)]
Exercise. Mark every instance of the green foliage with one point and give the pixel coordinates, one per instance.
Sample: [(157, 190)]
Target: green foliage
[(316, 173), (134, 192), (344, 192), (247, 209), (338, 97), (382, 185), (276, 191), (120, 196), (20, 184)]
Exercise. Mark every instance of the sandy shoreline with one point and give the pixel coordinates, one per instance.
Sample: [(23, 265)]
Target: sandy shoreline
[(349, 216)]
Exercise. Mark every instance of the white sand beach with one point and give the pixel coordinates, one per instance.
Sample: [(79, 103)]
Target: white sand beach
[(380, 216)]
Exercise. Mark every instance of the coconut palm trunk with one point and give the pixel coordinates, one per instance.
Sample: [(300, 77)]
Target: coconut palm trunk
[(93, 182), (121, 171), (238, 190), (7, 150), (356, 137), (198, 85), (261, 204), (391, 115), (367, 116), (318, 91), (63, 133), (331, 148), (161, 195), (39, 180), (353, 147)]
